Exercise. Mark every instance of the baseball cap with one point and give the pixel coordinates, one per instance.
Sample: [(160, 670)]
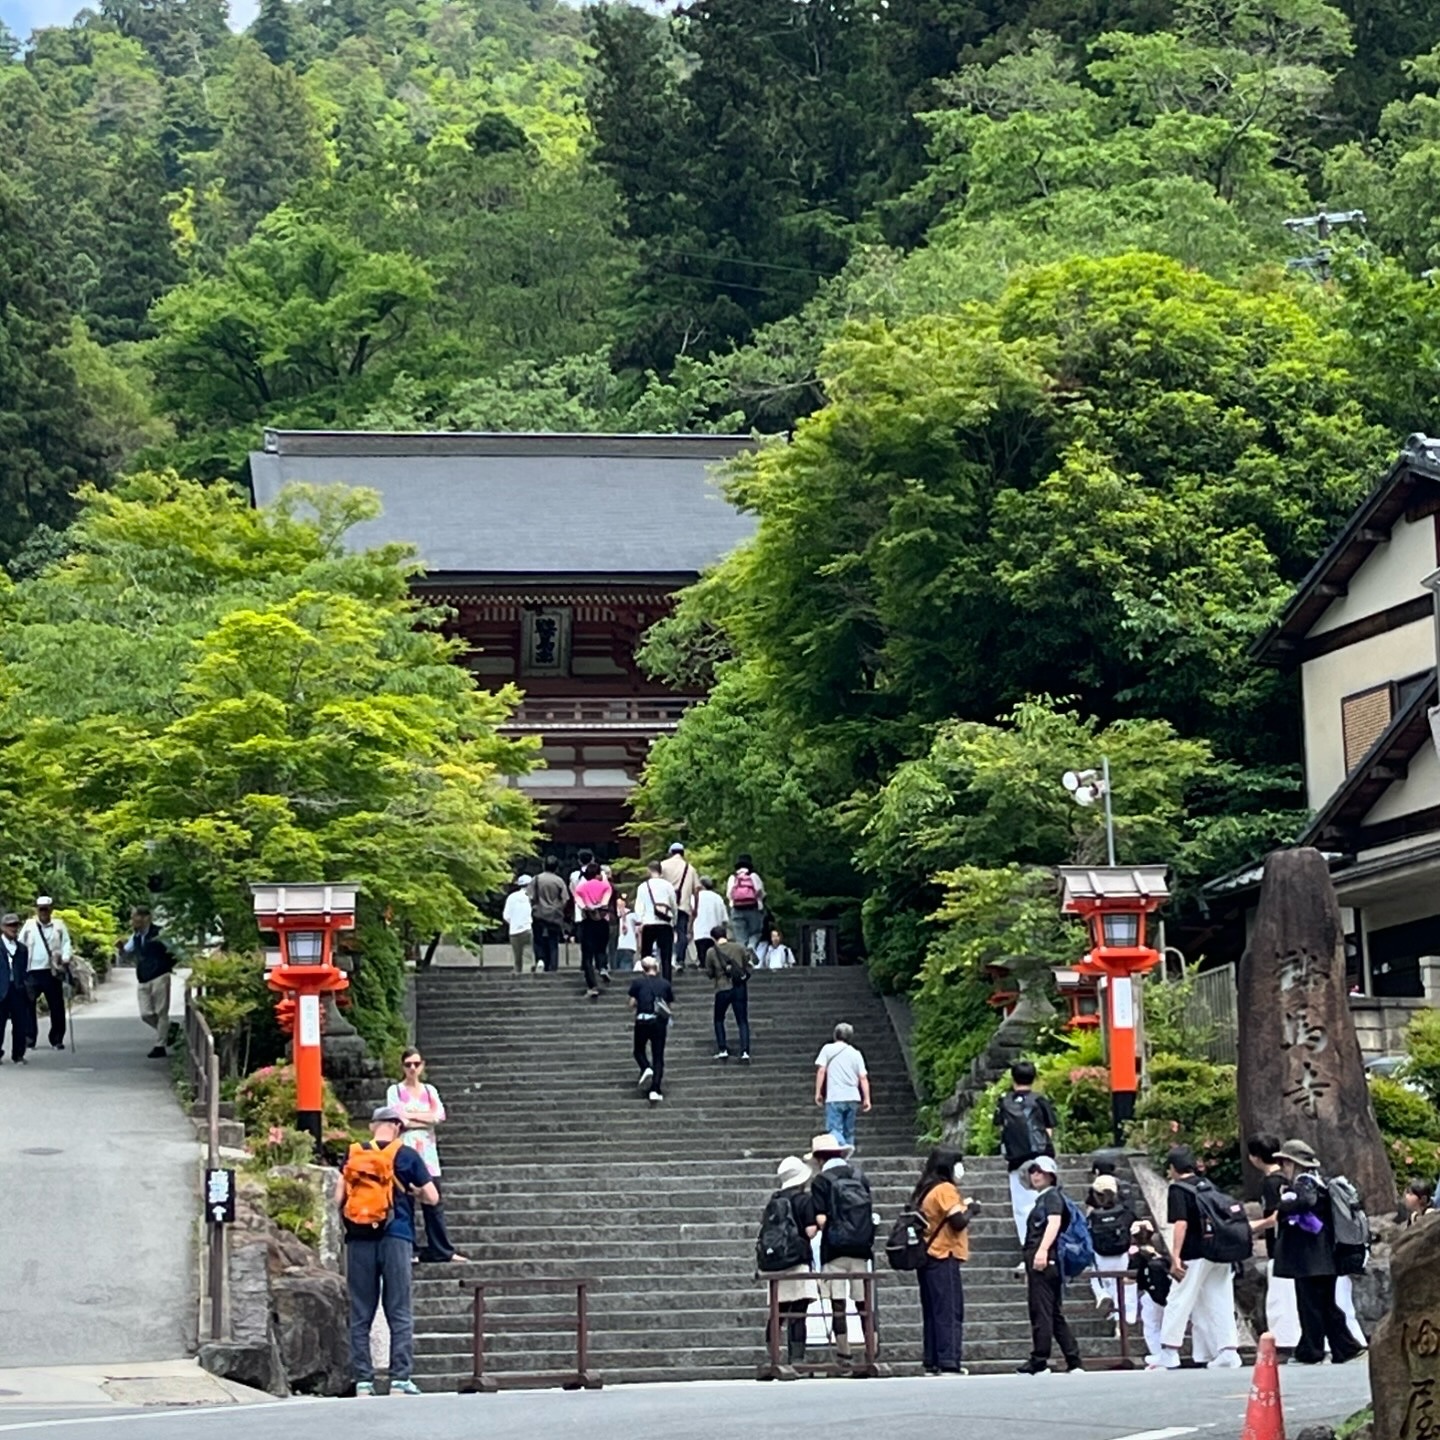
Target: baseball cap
[(387, 1113), (1045, 1163), (677, 848), (9, 918), (42, 901)]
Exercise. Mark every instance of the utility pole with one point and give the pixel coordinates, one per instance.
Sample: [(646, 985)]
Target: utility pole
[(1318, 229)]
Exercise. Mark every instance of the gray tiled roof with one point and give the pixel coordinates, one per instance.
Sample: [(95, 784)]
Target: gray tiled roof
[(536, 505)]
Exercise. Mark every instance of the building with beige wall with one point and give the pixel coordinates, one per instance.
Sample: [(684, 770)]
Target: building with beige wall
[(1361, 629)]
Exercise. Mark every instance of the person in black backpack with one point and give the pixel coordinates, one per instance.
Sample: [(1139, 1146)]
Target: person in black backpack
[(1026, 1123), (1049, 1218), (1305, 1253), (1203, 1267), (1110, 1218), (1151, 1272), (845, 1218), (783, 1248)]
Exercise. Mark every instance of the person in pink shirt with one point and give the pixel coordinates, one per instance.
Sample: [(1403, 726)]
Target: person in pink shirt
[(594, 899)]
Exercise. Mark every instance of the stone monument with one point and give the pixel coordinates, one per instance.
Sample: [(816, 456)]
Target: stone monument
[(1301, 1072), (1405, 1348)]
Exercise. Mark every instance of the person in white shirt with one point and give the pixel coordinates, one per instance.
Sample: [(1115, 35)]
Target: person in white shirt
[(655, 907), (774, 953), (47, 940), (682, 876), (625, 936), (842, 1084), (519, 919), (710, 911), (745, 891)]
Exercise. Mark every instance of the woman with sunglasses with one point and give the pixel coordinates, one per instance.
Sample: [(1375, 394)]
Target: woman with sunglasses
[(423, 1110)]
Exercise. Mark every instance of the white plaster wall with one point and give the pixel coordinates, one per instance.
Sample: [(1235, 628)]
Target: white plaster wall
[(1418, 903), (1390, 576), (1327, 679), (1419, 790)]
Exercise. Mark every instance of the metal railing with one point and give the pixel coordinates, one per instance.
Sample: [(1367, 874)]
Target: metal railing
[(869, 1322), (483, 1382), (202, 1066)]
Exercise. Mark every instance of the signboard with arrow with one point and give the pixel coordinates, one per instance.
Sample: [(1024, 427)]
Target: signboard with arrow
[(220, 1197)]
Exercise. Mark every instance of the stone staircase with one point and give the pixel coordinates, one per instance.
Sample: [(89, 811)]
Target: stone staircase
[(555, 1165)]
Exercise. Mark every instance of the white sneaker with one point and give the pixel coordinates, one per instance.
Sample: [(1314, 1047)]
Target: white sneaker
[(646, 1076), (656, 1097), (722, 1055), (1225, 1360), (1165, 1360)]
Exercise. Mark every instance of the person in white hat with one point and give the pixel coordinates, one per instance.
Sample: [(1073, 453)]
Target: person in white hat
[(779, 1235), (1044, 1283), (682, 875), (47, 941), (520, 923), (845, 1218)]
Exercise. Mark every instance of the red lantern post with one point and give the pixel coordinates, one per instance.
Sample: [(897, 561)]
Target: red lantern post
[(1115, 903), (307, 919)]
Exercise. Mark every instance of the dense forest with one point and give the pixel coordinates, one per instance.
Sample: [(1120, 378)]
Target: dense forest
[(1077, 383)]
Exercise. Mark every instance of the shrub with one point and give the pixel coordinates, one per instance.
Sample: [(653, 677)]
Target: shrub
[(283, 1145), (1422, 1045), (1409, 1158), (953, 1024), (265, 1102), (1192, 1102), (294, 1202), (230, 991), (1401, 1112), (1076, 1083)]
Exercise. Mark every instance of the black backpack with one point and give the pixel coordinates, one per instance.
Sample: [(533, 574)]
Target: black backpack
[(1110, 1229), (905, 1247), (1350, 1224), (852, 1225), (1022, 1130), (1225, 1235), (780, 1245)]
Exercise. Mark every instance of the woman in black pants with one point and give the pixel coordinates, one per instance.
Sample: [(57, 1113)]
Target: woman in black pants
[(947, 1247), (594, 901)]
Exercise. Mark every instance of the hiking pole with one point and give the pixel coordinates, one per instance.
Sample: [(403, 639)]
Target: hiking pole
[(67, 989)]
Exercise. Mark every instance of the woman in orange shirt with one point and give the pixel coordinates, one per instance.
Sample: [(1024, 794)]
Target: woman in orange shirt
[(946, 1214)]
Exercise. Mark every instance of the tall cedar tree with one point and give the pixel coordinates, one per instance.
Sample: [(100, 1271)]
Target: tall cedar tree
[(138, 264), (41, 462)]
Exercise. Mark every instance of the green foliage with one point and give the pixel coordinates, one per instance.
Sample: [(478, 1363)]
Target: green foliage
[(1422, 1046), (93, 933), (264, 703), (1401, 1113), (1191, 1102), (229, 989), (1076, 1083), (295, 1202), (1169, 1029), (265, 1105)]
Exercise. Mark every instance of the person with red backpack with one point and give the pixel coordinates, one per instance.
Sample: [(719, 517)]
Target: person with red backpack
[(745, 891), (376, 1193)]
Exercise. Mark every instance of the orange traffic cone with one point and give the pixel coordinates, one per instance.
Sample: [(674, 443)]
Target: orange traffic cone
[(1264, 1419)]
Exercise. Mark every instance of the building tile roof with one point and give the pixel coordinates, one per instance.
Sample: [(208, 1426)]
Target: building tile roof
[(519, 505)]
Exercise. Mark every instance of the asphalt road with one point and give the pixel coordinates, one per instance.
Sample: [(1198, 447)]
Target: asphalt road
[(100, 1174), (1094, 1406)]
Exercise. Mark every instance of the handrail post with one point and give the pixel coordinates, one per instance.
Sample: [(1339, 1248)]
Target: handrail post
[(869, 1324), (217, 1231), (1121, 1278), (772, 1330), (582, 1335)]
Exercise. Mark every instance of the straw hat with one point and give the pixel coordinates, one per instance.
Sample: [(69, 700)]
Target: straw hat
[(829, 1145)]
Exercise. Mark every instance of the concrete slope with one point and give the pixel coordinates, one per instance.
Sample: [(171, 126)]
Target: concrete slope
[(99, 1171)]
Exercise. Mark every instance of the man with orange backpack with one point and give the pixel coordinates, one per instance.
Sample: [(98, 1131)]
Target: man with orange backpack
[(376, 1193)]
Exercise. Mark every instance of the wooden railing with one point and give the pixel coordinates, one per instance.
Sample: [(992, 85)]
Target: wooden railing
[(647, 714)]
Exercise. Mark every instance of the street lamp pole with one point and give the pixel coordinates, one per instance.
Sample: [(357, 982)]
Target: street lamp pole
[(1109, 814)]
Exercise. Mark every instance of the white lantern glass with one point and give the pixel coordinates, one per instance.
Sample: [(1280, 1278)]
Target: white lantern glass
[(305, 947), (1121, 930)]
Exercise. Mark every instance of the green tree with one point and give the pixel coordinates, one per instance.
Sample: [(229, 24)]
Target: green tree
[(42, 459), (298, 325), (266, 702), (269, 139), (274, 30), (138, 264)]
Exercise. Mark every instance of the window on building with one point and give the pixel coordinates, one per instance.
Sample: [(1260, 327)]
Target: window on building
[(1363, 716), (1395, 956)]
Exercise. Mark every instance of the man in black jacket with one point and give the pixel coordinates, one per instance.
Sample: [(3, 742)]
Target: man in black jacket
[(153, 964), (14, 1003)]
